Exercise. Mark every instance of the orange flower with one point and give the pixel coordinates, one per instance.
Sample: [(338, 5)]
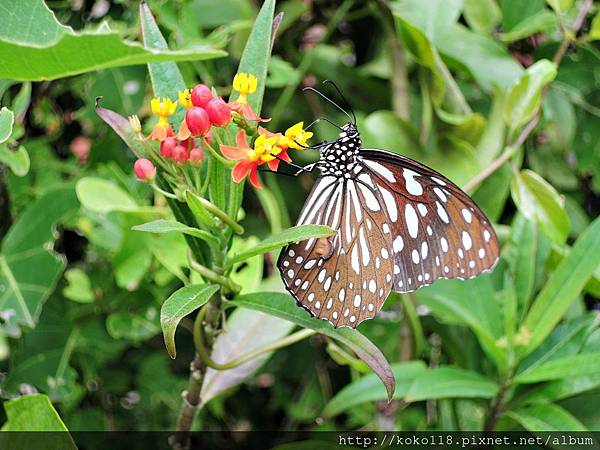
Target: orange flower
[(245, 84), (164, 109), (247, 160)]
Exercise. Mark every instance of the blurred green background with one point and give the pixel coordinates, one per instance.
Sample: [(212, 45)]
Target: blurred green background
[(451, 83)]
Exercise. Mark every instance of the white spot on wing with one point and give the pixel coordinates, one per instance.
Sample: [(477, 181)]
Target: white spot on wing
[(381, 170), (412, 222), (412, 186)]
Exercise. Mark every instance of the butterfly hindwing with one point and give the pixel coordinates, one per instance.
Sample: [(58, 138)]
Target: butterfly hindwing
[(346, 277)]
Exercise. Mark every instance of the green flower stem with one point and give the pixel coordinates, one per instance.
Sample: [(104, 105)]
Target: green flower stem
[(213, 153), (206, 359), (163, 192), (213, 276), (217, 212), (204, 187)]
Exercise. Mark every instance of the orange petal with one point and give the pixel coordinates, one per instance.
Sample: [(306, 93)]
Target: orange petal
[(273, 165), (233, 153), (240, 170), (184, 132), (254, 177), (249, 113), (241, 139)]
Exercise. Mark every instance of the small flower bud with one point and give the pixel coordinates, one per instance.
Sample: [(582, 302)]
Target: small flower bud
[(201, 95), (196, 156), (167, 146), (180, 154), (144, 170), (197, 121), (218, 112)]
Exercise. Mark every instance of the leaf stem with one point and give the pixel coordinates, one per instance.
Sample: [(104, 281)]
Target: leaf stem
[(217, 212), (213, 153), (206, 359), (163, 192), (211, 275)]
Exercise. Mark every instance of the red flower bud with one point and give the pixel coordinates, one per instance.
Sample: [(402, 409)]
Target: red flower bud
[(144, 170), (167, 146), (218, 112), (196, 156), (201, 95), (180, 154), (197, 121)]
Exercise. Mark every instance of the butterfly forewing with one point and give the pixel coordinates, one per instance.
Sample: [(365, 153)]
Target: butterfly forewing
[(439, 232), (344, 278)]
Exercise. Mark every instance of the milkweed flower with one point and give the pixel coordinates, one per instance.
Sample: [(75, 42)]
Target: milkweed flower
[(247, 159), (273, 148), (297, 137), (218, 112), (245, 84), (201, 95), (144, 170), (164, 109)]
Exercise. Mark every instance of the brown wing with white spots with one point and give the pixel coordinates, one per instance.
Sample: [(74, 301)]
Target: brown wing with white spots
[(346, 277), (438, 231)]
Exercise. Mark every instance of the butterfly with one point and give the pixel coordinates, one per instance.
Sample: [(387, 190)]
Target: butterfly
[(399, 225)]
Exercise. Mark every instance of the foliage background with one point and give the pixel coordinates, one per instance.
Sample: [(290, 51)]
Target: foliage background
[(450, 83)]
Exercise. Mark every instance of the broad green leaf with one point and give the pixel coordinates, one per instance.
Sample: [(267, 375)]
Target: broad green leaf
[(50, 50), (539, 202), (560, 6), (567, 367), (450, 382), (524, 248), (283, 306), (246, 331), (29, 268), (43, 356), (135, 327), (546, 417), (103, 196), (79, 288), (369, 388), (563, 388), (525, 95), (482, 16), (563, 286), (172, 226), (34, 413), (294, 234), (542, 21), (181, 303), (492, 140), (7, 119), (469, 303), (17, 161), (594, 33)]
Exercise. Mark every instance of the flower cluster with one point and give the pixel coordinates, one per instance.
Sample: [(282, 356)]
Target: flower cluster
[(208, 118)]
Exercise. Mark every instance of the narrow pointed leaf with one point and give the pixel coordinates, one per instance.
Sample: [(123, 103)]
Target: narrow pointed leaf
[(546, 417), (567, 367), (181, 303), (172, 226), (283, 306)]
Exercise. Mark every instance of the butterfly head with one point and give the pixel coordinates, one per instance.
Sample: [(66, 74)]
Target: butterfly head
[(349, 130)]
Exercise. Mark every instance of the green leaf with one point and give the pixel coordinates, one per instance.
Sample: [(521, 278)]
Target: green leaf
[(525, 95), (122, 127), (7, 119), (450, 382), (199, 210), (563, 286), (293, 234), (283, 306), (524, 249), (546, 417), (34, 413), (50, 50), (539, 202), (567, 367), (256, 55), (181, 303), (246, 331), (560, 6), (17, 161), (135, 327), (561, 389), (369, 388), (79, 288), (482, 16), (27, 245), (172, 226), (594, 33), (103, 196), (542, 21)]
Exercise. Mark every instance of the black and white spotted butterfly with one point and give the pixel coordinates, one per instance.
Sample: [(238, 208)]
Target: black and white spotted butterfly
[(399, 226)]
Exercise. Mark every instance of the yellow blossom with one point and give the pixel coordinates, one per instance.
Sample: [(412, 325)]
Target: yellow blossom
[(185, 98), (296, 137), (265, 148), (245, 84), (163, 109)]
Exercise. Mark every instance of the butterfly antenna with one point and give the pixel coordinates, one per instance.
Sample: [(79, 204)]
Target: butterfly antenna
[(323, 96), (346, 102)]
